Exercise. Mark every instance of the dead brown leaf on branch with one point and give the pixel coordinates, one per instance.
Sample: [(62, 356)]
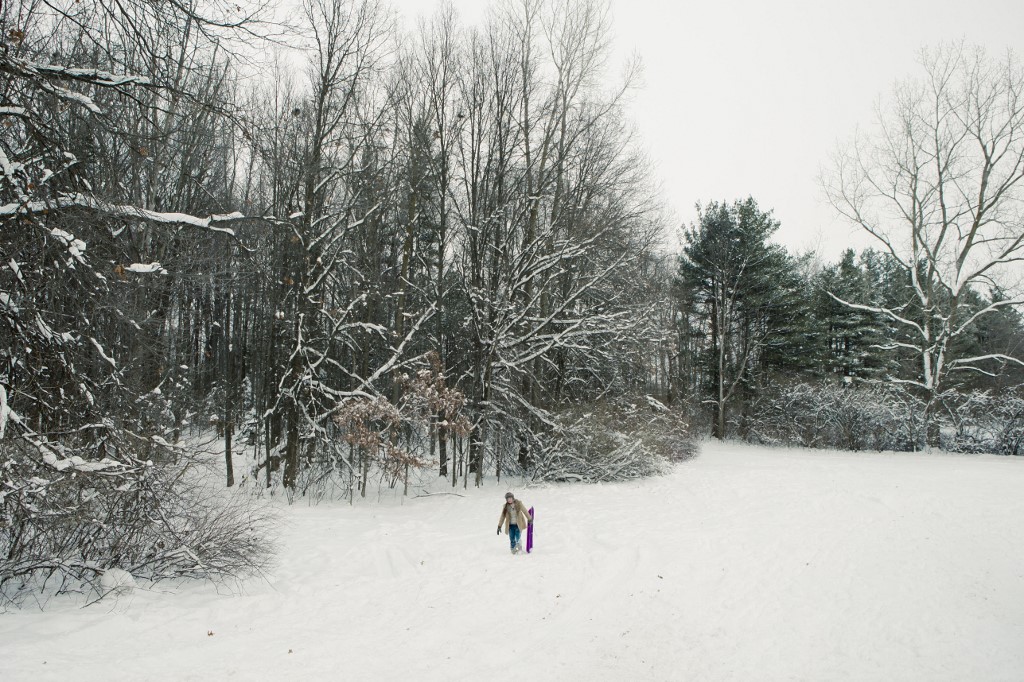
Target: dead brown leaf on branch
[(380, 428)]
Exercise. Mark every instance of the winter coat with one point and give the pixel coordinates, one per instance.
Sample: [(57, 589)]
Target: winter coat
[(522, 514)]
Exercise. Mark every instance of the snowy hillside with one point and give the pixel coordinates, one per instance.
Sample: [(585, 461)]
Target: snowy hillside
[(743, 564)]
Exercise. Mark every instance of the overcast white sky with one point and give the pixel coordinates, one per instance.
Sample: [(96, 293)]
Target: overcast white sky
[(749, 97)]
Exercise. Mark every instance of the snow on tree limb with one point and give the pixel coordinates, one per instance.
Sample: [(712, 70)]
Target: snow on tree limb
[(72, 96), (213, 223), (398, 351), (992, 307), (25, 68), (991, 356), (5, 411), (51, 453), (146, 268), (888, 312), (103, 353)]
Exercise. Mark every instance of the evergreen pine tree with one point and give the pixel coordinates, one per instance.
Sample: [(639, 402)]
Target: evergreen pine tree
[(853, 339), (742, 295)]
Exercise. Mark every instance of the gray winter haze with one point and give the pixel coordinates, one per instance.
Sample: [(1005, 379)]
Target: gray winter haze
[(749, 98)]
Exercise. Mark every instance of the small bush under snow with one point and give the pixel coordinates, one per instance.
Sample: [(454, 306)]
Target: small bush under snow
[(615, 440)]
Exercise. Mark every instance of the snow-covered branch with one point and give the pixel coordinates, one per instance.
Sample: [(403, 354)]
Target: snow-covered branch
[(215, 223), (888, 312)]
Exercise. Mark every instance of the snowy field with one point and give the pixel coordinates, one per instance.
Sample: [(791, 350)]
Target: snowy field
[(743, 564)]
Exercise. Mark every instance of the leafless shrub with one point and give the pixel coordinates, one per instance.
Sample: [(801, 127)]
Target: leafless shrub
[(880, 417), (616, 440), (979, 421), (62, 529), (833, 416)]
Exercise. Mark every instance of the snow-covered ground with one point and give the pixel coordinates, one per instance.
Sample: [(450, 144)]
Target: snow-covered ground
[(743, 564)]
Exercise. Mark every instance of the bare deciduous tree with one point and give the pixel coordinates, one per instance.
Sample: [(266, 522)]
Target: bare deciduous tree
[(939, 183)]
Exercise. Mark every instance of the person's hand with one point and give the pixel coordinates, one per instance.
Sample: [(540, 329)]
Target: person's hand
[(498, 532)]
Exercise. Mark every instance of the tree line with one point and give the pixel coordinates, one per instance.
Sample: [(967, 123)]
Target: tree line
[(931, 314), (758, 327)]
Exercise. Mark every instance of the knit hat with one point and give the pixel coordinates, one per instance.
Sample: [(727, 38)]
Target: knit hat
[(509, 495)]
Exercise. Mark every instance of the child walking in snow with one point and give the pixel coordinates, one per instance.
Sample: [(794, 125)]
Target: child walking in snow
[(515, 517)]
